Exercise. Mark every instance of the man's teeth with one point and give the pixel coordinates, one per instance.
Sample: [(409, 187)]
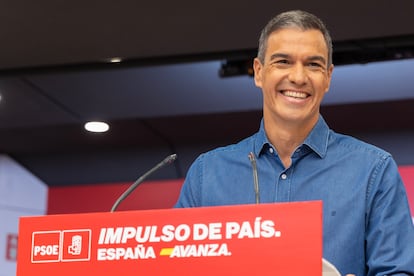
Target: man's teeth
[(295, 94)]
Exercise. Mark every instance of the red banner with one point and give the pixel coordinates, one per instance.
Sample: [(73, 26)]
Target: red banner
[(266, 239)]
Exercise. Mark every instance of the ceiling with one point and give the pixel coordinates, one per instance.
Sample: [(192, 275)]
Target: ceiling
[(55, 72)]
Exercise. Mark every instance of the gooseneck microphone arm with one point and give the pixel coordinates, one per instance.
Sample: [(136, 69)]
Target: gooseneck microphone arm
[(166, 161), (252, 159)]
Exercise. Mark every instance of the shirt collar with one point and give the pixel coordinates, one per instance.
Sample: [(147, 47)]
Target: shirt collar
[(261, 143), (317, 139)]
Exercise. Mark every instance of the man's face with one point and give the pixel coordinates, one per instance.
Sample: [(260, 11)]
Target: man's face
[(294, 77)]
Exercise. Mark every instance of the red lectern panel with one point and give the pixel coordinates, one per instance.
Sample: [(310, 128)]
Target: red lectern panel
[(265, 239)]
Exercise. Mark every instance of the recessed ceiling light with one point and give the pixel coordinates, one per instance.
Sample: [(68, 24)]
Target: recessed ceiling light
[(115, 60), (96, 126)]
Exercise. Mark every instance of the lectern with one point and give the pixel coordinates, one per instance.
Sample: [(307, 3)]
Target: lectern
[(265, 239)]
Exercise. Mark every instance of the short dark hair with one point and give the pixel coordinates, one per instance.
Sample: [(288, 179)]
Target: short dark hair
[(298, 19)]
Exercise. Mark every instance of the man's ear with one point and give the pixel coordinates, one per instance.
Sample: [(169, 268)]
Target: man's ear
[(257, 67), (329, 77)]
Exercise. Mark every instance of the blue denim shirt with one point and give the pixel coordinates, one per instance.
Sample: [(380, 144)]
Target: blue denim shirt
[(367, 226)]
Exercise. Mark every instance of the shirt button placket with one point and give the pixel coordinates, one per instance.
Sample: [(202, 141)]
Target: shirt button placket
[(283, 188)]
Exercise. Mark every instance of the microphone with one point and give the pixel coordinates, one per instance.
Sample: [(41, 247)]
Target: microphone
[(252, 159), (168, 160)]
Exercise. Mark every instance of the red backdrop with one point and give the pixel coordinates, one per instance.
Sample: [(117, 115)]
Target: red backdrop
[(149, 195), (101, 197), (407, 173)]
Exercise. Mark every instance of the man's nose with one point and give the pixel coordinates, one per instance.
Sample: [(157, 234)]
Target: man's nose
[(297, 74)]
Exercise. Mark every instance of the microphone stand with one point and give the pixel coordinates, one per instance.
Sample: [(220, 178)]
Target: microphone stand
[(167, 160)]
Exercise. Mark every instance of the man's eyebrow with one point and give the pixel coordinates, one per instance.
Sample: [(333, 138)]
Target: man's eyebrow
[(286, 56), (279, 55)]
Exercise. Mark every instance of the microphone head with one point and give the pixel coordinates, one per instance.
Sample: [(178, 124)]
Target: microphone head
[(251, 156), (170, 159)]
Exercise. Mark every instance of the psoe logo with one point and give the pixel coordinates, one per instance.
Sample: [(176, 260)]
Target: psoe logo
[(61, 246)]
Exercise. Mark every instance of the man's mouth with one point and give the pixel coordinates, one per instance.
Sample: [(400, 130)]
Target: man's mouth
[(295, 94)]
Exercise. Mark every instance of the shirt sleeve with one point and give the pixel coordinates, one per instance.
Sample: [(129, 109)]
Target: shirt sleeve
[(389, 227), (190, 191)]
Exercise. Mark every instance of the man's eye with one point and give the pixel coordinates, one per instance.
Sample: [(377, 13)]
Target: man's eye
[(315, 64), (281, 62)]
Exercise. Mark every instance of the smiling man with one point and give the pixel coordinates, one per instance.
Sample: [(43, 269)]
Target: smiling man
[(367, 227), (294, 75)]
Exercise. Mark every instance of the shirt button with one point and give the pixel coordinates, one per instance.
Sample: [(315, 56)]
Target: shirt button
[(283, 176), (271, 150)]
